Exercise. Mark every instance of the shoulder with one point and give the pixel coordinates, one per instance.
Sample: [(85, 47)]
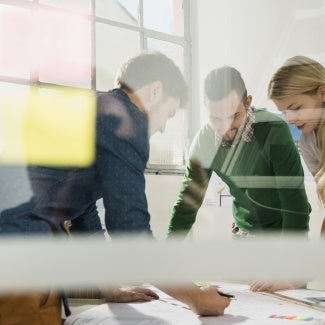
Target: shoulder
[(267, 122), (310, 151), (263, 116), (308, 139), (110, 102)]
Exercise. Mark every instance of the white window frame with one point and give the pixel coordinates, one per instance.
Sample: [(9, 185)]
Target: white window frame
[(185, 41)]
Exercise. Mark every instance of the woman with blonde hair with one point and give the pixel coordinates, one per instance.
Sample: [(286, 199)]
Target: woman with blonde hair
[(298, 90)]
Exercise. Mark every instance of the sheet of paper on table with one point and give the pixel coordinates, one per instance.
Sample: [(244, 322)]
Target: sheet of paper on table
[(247, 308)]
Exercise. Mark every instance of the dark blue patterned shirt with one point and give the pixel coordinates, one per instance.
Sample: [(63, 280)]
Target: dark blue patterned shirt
[(117, 176)]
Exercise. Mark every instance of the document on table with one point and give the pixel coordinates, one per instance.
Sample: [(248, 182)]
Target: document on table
[(246, 308), (312, 298)]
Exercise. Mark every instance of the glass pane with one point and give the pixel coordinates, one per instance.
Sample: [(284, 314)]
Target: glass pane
[(114, 46), (164, 16), (16, 52), (168, 148), (63, 46), (124, 11), (80, 6), (174, 51)]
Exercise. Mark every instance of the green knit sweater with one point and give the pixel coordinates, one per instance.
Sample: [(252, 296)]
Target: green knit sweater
[(265, 178)]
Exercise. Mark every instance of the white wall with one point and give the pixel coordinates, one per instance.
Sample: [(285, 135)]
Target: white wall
[(256, 36)]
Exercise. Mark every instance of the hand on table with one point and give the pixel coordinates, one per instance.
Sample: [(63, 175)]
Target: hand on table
[(129, 294), (204, 301), (210, 303), (260, 286)]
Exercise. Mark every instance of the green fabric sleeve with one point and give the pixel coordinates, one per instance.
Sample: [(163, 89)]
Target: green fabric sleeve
[(190, 198), (195, 182), (289, 177)]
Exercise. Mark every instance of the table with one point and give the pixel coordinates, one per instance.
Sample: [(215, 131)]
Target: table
[(247, 308)]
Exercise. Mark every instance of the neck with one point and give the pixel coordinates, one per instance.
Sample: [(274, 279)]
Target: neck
[(136, 100)]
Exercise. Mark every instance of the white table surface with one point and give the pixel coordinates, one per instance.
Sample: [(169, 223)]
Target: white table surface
[(247, 308)]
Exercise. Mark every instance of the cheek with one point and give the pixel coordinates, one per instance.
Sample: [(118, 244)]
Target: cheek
[(311, 115)]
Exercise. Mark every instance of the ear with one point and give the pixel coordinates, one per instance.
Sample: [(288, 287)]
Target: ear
[(155, 92), (321, 92), (248, 101)]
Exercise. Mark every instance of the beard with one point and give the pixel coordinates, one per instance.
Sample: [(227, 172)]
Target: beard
[(230, 135)]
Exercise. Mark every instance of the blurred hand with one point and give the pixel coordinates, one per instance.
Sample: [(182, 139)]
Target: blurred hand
[(129, 294), (260, 286), (209, 302)]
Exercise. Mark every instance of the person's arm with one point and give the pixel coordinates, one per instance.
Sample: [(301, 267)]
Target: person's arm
[(261, 286), (202, 301), (289, 175), (128, 294), (295, 208), (317, 176), (195, 183), (121, 157), (190, 198)]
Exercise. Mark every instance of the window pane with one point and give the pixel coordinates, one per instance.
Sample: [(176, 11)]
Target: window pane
[(114, 46), (124, 11), (168, 148), (164, 16), (63, 46), (80, 6), (16, 52), (174, 51)]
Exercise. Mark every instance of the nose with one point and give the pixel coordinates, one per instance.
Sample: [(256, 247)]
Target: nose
[(224, 126)]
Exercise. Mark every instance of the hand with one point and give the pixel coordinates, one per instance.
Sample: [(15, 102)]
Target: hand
[(129, 294), (209, 302), (260, 286)]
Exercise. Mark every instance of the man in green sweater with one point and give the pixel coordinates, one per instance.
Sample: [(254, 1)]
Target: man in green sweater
[(253, 152)]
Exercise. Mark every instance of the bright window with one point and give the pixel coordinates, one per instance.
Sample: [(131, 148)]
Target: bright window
[(82, 43)]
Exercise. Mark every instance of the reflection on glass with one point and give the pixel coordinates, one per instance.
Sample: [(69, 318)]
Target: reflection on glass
[(164, 16), (64, 48), (80, 6), (53, 128), (16, 50), (123, 11), (174, 51), (113, 47)]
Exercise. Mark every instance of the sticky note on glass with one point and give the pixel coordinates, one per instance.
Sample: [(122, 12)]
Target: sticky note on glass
[(50, 128)]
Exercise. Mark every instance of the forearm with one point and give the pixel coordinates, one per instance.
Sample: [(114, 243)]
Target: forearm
[(188, 295), (180, 222), (295, 210), (189, 200), (205, 302)]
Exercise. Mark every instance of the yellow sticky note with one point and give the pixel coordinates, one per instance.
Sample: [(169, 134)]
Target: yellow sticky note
[(50, 128)]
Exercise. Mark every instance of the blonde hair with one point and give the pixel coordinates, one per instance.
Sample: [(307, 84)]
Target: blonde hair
[(302, 75)]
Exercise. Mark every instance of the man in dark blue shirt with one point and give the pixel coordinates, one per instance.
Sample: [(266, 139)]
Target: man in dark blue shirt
[(149, 89)]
